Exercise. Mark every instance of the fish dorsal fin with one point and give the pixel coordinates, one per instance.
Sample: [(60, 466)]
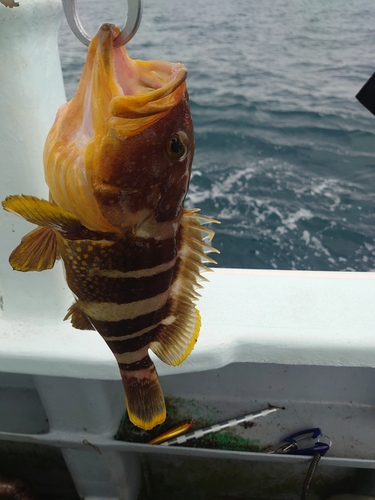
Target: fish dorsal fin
[(180, 330), (41, 212), (78, 318), (36, 252)]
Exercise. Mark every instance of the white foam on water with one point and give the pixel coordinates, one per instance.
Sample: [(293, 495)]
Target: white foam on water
[(290, 222), (298, 220), (306, 237)]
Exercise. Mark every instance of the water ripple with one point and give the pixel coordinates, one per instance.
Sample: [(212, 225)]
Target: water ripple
[(285, 155)]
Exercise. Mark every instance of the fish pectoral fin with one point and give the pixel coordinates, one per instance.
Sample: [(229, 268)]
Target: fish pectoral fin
[(175, 341), (36, 252), (78, 318), (41, 212)]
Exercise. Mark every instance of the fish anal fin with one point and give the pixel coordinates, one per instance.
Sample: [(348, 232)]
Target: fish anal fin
[(175, 341), (41, 212), (144, 397), (36, 252), (78, 318)]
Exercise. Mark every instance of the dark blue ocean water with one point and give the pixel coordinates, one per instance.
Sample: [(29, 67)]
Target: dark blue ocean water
[(285, 155)]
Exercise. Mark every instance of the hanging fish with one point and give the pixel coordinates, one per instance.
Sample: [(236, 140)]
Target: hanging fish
[(117, 163)]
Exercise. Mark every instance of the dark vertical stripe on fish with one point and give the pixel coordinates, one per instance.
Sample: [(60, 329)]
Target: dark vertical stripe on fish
[(131, 345), (142, 364), (129, 326), (130, 254), (94, 288)]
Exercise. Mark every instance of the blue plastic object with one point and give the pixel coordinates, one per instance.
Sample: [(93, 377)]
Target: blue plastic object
[(305, 443)]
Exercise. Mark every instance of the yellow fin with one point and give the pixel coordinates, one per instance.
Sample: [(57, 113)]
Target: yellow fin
[(179, 332), (41, 212), (78, 318), (144, 397), (174, 342), (36, 252)]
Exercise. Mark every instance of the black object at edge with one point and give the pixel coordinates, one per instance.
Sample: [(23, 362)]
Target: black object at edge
[(366, 96)]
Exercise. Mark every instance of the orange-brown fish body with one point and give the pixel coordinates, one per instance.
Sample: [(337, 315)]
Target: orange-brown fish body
[(117, 163)]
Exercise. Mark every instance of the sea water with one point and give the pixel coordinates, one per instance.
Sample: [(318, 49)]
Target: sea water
[(285, 155)]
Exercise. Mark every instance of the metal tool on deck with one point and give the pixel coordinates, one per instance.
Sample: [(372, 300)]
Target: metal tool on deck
[(128, 31)]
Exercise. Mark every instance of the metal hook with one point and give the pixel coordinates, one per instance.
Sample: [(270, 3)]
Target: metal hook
[(128, 31)]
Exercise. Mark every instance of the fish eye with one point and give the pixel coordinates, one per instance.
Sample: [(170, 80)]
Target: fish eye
[(177, 146)]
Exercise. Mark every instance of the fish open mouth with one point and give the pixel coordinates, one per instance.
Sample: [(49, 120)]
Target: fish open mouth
[(138, 88), (138, 78)]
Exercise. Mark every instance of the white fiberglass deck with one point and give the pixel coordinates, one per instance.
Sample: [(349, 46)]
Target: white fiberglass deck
[(284, 317), (263, 335)]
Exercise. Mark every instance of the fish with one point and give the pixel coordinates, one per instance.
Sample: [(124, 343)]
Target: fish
[(117, 162)]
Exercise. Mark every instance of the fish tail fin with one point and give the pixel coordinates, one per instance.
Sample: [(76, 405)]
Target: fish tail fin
[(144, 396)]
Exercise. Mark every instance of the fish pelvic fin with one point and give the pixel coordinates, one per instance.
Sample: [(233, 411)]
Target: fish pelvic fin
[(179, 331), (42, 212), (36, 252), (144, 396), (78, 318)]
